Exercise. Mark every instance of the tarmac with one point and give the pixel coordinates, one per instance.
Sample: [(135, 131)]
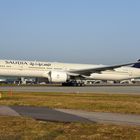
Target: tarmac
[(67, 115), (133, 90), (103, 117)]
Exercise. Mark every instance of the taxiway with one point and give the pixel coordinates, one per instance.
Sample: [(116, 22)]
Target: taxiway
[(134, 90), (68, 115)]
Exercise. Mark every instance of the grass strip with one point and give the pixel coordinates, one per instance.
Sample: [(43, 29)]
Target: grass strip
[(88, 102), (16, 128)]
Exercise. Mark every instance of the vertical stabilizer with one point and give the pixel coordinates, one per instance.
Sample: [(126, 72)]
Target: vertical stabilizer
[(137, 65)]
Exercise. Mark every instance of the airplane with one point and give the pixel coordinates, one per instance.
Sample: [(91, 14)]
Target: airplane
[(68, 73)]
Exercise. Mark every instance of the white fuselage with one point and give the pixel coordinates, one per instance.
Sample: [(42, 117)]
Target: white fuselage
[(42, 69)]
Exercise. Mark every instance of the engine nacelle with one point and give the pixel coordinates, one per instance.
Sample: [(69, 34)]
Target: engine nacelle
[(58, 76)]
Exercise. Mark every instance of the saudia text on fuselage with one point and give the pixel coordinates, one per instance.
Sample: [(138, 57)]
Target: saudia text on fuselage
[(27, 63)]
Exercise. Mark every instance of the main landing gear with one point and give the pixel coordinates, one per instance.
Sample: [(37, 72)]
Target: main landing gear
[(73, 83)]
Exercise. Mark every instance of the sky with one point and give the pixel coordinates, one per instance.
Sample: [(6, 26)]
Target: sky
[(73, 31)]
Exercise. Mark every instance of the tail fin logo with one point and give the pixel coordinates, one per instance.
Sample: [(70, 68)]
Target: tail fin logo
[(137, 65)]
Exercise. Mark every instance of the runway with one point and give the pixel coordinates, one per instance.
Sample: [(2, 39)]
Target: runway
[(133, 90), (67, 115)]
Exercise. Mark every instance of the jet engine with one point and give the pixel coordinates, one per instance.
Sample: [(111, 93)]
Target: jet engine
[(58, 76)]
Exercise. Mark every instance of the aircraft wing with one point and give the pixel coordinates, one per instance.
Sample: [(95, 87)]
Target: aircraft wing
[(87, 72)]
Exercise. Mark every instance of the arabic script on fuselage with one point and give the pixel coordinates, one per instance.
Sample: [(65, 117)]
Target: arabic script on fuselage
[(27, 63)]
